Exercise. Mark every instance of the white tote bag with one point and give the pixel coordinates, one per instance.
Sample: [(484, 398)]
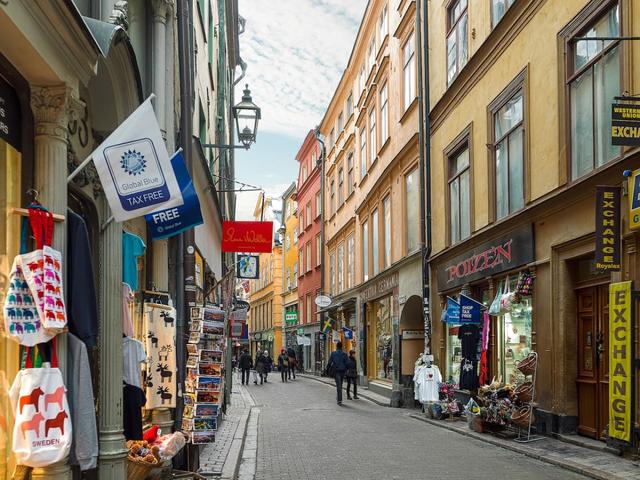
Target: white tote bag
[(42, 430)]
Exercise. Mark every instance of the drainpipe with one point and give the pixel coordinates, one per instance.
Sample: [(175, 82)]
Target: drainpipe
[(322, 162), (424, 139)]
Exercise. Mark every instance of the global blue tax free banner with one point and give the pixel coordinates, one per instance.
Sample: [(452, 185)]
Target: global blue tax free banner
[(172, 221)]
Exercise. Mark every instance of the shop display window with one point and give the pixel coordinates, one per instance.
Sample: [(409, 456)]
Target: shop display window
[(383, 339), (454, 349)]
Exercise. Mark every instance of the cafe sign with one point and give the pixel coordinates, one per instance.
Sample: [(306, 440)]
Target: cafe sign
[(620, 352), (607, 229), (625, 125), (490, 258)]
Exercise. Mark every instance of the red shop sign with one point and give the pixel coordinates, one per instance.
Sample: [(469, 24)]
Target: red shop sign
[(247, 237)]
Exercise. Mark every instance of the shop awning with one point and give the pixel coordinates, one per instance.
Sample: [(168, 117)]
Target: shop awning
[(340, 305)]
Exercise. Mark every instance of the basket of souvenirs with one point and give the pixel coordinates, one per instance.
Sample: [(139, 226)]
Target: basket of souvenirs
[(522, 416), (143, 460), (524, 392), (528, 365)]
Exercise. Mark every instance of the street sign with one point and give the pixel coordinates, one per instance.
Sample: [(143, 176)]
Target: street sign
[(625, 124), (323, 301), (633, 187), (608, 229)]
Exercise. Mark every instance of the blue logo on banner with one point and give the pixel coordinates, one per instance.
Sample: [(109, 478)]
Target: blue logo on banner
[(172, 221), (453, 311), (470, 310), (348, 333)]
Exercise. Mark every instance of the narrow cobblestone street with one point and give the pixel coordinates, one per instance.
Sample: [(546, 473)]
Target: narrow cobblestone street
[(304, 435)]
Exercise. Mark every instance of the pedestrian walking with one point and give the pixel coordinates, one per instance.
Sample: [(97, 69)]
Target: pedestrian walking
[(260, 367), (283, 364), (246, 364), (337, 368), (291, 354), (268, 365), (352, 375)]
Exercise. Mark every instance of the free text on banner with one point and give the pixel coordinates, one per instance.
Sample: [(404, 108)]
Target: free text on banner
[(620, 352)]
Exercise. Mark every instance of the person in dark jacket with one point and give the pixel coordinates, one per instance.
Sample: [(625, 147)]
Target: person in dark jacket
[(246, 364), (268, 365), (283, 364), (260, 367), (352, 375), (337, 368), (291, 353)]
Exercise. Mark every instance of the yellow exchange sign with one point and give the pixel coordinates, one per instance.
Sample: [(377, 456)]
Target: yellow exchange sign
[(620, 353)]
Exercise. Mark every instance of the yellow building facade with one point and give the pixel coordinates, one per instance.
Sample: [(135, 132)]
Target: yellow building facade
[(289, 234), (520, 119), (265, 315), (371, 192)]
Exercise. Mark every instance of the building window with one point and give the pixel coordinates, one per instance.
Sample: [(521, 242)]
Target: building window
[(371, 54), (304, 172), (340, 122), (383, 25), (459, 195), (361, 80), (363, 151), (409, 71), (365, 251), (340, 187), (302, 221), (498, 9), (332, 197), (314, 159), (412, 211), (384, 114), (308, 214), (295, 236), (375, 250), (350, 261), (593, 82), (457, 50), (318, 251), (287, 241), (509, 156), (332, 273), (386, 207), (340, 268), (318, 204), (372, 136), (301, 261), (350, 174), (310, 318), (309, 264), (288, 279), (350, 105), (295, 275), (332, 138), (288, 209)]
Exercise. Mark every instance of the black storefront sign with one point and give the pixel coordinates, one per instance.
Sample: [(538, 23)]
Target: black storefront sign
[(9, 115), (505, 253), (608, 229), (625, 124)]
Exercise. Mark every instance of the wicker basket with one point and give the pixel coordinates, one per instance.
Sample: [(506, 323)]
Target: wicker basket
[(528, 365), (141, 470), (523, 416), (524, 392)]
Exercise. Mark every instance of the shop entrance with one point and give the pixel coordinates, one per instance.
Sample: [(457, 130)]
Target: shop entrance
[(593, 360)]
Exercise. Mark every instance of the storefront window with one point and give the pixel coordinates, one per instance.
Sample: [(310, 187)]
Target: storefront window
[(383, 338), (454, 349)]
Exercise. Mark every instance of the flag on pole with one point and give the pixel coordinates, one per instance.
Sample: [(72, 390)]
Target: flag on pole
[(134, 167), (327, 326), (348, 333)]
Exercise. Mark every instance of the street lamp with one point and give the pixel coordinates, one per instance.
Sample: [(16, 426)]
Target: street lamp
[(246, 114)]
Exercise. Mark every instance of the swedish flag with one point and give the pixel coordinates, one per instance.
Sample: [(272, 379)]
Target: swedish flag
[(328, 325)]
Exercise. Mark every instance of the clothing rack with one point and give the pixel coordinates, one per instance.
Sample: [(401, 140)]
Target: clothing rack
[(23, 212)]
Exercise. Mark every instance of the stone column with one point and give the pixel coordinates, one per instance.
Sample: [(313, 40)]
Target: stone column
[(160, 248), (50, 111), (112, 455), (137, 34)]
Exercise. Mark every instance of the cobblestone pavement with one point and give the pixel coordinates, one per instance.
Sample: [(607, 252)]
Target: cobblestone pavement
[(304, 435)]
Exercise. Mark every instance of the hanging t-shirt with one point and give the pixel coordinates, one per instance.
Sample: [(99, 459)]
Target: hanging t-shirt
[(469, 334), (427, 383), (134, 354), (132, 248), (133, 400), (127, 297), (468, 375)]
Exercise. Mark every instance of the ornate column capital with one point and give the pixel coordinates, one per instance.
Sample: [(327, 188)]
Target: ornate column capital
[(50, 106), (161, 9)]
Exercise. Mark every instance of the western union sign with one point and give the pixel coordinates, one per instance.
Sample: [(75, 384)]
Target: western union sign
[(620, 353), (625, 124)]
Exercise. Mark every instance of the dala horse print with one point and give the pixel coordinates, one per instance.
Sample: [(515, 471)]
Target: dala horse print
[(32, 399), (56, 397), (56, 422), (33, 424)]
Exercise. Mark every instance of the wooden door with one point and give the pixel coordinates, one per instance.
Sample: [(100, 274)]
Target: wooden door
[(593, 360)]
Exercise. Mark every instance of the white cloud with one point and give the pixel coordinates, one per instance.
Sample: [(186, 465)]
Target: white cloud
[(296, 51)]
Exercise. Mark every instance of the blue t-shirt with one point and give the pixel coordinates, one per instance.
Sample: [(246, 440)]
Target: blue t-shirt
[(132, 248)]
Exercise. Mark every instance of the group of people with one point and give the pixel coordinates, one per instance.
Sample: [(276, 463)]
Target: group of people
[(343, 366), (263, 364)]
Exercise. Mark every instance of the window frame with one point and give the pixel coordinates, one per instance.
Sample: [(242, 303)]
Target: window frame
[(405, 240), (363, 150), (383, 24), (350, 179), (365, 250), (375, 241), (384, 113), (519, 83), (461, 143), (308, 214), (587, 18), (318, 251), (340, 267), (452, 27), (318, 204), (410, 37), (387, 256), (494, 21), (308, 260), (332, 197), (372, 124), (350, 105), (340, 186), (351, 260)]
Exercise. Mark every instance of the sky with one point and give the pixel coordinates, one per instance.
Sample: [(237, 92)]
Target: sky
[(296, 51)]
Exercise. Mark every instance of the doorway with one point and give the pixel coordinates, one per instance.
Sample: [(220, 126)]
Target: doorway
[(593, 360)]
